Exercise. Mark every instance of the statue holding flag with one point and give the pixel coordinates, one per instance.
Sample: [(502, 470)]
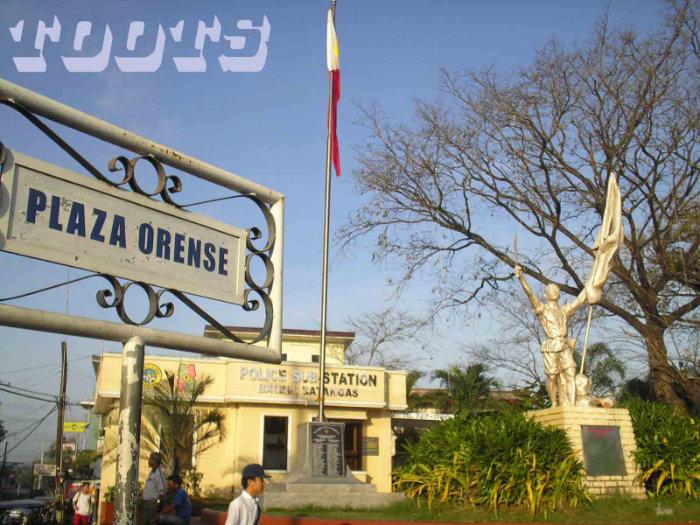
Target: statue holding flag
[(558, 348)]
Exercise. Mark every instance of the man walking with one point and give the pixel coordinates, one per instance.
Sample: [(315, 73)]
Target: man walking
[(82, 505), (245, 509), (154, 489)]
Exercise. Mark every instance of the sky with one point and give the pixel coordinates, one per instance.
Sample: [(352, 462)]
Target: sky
[(267, 126)]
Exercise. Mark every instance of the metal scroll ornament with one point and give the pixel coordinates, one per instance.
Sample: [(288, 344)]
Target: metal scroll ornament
[(115, 298), (166, 186)]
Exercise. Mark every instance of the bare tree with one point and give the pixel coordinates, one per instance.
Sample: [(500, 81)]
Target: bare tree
[(382, 338), (514, 351), (533, 152)]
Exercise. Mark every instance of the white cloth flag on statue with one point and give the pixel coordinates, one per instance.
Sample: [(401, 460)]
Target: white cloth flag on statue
[(608, 242)]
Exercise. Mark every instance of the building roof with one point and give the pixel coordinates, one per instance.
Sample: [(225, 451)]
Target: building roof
[(291, 333)]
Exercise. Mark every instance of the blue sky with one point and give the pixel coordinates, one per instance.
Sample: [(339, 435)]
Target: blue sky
[(267, 126)]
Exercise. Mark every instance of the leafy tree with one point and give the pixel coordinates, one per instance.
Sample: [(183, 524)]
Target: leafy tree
[(605, 370), (81, 464), (466, 388), (178, 426), (533, 152), (636, 387), (413, 400)]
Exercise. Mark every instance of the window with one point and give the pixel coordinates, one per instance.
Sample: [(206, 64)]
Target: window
[(275, 443), (284, 357), (314, 358)]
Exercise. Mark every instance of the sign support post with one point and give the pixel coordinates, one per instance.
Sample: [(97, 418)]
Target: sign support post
[(129, 432), (53, 214)]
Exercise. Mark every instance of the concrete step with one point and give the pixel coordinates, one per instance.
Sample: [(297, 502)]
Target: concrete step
[(322, 488), (292, 500)]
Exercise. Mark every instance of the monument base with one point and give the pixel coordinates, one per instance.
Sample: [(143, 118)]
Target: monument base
[(604, 441), (314, 480)]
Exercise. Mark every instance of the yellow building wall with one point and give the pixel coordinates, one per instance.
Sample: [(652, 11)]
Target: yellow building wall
[(302, 352), (238, 392), (379, 467)]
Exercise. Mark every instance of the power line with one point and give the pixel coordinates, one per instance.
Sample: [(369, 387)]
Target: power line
[(5, 387), (30, 368), (10, 385), (27, 294), (20, 394), (33, 429), (22, 429)]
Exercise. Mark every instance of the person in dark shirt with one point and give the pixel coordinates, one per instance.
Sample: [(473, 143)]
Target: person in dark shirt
[(179, 510)]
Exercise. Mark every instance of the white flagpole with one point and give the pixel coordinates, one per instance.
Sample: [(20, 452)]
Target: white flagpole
[(326, 233), (585, 341)]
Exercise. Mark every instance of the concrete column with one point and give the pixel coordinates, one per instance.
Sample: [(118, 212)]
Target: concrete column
[(129, 428)]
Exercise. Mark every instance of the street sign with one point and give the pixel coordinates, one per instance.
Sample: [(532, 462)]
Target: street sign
[(59, 216), (44, 469), (74, 426)]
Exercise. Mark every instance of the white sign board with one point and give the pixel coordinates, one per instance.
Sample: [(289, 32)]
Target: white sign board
[(44, 469), (422, 416), (55, 215)]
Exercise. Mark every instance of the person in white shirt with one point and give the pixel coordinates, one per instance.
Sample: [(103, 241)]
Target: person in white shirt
[(245, 509), (154, 489), (82, 505)]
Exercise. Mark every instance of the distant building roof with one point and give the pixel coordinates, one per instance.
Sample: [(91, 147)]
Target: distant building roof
[(292, 333), (421, 391)]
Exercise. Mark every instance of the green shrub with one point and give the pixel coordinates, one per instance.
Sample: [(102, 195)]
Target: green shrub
[(494, 460), (668, 449)]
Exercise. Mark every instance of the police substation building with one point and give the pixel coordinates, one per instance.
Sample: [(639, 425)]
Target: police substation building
[(264, 404)]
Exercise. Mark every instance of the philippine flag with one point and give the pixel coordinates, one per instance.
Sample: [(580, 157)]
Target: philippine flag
[(333, 59)]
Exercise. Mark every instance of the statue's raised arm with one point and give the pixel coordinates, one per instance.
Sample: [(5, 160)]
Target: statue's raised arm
[(574, 305), (534, 301)]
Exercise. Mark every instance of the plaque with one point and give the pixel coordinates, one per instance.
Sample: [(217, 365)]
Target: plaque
[(602, 451), (327, 450), (370, 446)]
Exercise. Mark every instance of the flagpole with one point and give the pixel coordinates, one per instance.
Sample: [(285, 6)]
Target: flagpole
[(585, 341), (326, 232)]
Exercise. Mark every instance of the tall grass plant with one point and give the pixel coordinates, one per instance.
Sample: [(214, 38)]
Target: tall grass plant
[(668, 449), (497, 460)]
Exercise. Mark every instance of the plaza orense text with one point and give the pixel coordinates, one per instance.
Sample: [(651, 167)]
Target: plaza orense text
[(178, 248)]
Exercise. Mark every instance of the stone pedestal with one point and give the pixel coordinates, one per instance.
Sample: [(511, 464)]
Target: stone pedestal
[(308, 484), (604, 441)]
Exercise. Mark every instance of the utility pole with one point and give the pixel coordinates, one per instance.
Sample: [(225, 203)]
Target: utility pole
[(59, 430), (4, 460)]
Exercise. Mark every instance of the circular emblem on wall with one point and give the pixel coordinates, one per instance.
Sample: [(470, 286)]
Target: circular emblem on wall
[(152, 375)]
